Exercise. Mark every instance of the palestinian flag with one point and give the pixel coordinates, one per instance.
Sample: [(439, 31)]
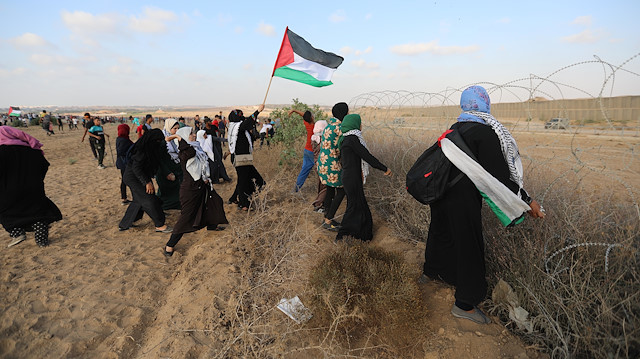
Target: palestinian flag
[(14, 111), (299, 61)]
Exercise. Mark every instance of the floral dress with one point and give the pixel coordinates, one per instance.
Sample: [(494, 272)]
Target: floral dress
[(329, 167)]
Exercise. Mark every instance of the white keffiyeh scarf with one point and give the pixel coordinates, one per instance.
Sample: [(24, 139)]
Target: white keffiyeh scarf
[(364, 164), (507, 144)]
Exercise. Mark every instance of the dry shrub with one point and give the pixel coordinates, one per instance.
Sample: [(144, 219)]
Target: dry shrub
[(359, 290), (578, 275), (577, 272)]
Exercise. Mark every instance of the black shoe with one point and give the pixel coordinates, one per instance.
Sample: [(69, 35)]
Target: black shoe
[(167, 254), (330, 227), (123, 229)]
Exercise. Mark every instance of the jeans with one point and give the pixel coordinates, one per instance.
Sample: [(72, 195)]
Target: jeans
[(307, 165)]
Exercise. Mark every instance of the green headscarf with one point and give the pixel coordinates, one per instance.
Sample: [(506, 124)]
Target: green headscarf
[(350, 122)]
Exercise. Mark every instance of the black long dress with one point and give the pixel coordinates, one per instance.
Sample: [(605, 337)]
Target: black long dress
[(201, 205), (22, 198), (357, 221), (455, 245)]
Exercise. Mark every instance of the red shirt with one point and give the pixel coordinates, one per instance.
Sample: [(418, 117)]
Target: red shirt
[(309, 127)]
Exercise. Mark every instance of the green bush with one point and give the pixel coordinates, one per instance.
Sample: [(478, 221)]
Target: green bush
[(292, 133)]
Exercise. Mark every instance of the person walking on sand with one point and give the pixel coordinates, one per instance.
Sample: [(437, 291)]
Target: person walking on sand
[(24, 205), (96, 136), (201, 206), (46, 123), (88, 123), (218, 170), (329, 167), (241, 149), (123, 145), (356, 159), (307, 159), (143, 165), (455, 246)]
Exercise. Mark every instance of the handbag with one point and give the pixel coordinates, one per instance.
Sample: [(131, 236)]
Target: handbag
[(243, 160)]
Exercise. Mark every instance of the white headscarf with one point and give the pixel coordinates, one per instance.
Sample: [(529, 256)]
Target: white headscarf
[(197, 166), (317, 130), (205, 143)]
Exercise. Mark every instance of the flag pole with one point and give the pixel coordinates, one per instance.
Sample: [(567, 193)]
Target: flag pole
[(265, 95), (274, 65)]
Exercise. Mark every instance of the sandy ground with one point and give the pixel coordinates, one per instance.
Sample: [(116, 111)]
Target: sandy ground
[(96, 292)]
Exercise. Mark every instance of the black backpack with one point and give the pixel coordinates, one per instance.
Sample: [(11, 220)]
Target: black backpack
[(428, 178)]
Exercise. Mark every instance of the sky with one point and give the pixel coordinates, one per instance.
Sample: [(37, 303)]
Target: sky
[(214, 53)]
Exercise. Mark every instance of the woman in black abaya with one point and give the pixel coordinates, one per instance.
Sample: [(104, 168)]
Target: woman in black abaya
[(143, 165), (355, 159), (24, 205)]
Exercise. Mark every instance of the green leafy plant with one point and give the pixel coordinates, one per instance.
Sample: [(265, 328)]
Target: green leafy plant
[(291, 132)]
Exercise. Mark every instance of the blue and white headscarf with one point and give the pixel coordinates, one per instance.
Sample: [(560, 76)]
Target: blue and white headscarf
[(476, 107)]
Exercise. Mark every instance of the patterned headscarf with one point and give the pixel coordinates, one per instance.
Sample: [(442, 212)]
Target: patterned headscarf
[(476, 107)]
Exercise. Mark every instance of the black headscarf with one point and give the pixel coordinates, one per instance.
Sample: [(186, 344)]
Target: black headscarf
[(236, 116), (149, 149), (340, 110)]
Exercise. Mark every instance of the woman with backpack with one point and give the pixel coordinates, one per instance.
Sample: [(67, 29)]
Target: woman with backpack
[(455, 245)]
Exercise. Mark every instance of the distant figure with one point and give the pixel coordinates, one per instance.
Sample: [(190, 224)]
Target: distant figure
[(60, 123), (24, 205), (264, 133), (46, 123)]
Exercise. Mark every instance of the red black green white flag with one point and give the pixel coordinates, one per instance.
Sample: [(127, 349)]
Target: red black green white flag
[(14, 111), (301, 62)]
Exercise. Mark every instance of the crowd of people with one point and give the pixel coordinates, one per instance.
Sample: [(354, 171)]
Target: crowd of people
[(187, 161)]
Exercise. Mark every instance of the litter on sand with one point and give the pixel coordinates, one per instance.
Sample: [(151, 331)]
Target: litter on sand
[(295, 309)]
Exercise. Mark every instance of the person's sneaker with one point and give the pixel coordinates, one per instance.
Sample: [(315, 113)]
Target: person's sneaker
[(318, 209), (476, 316), (125, 202), (17, 240), (101, 167)]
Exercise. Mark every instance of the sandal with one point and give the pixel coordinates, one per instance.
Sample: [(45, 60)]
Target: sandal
[(167, 254), (476, 316), (169, 229)]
